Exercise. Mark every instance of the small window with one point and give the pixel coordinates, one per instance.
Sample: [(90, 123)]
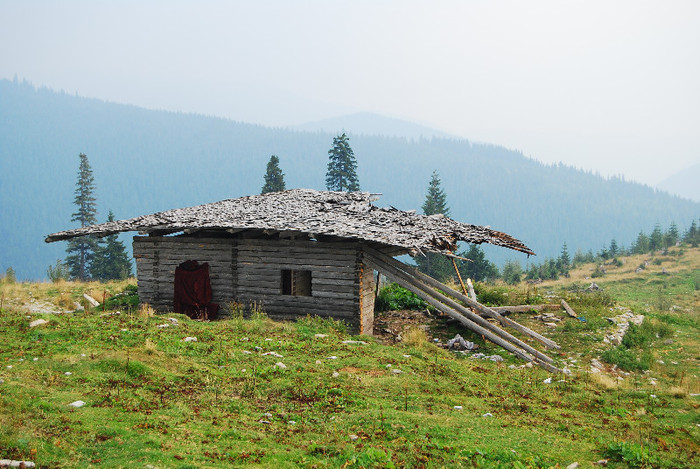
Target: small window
[(296, 282)]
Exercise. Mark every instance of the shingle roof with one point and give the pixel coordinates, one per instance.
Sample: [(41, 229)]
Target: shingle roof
[(316, 213)]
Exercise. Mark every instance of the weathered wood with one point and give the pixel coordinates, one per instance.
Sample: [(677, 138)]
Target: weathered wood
[(568, 309), (457, 308), (472, 293), (524, 308), (468, 301), (459, 276), (405, 282)]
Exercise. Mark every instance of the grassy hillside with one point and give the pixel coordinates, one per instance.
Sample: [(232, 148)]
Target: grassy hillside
[(154, 400), (146, 161)]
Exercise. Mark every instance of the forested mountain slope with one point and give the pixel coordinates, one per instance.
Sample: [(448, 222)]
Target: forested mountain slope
[(145, 161)]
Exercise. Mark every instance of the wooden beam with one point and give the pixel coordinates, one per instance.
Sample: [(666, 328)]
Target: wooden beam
[(485, 310)]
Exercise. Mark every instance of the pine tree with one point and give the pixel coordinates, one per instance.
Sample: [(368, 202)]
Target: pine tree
[(433, 264), (435, 200), (641, 245), (341, 174), (478, 268), (692, 236), (274, 177), (656, 238), (671, 236), (110, 260), (512, 272), (81, 249)]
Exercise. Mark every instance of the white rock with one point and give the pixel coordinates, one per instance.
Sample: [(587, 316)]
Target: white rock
[(573, 465), (356, 342), (190, 339), (246, 352), (548, 381), (268, 340), (407, 356), (318, 362), (388, 365), (2, 381), (292, 422), (35, 359), (321, 336), (163, 325), (9, 367), (38, 322), (67, 373), (396, 372), (273, 354), (335, 374), (457, 407), (332, 357), (354, 437), (487, 414), (660, 362), (173, 321), (268, 415), (281, 365), (77, 404)]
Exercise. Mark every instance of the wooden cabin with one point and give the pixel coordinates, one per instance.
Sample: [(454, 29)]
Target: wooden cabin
[(298, 252)]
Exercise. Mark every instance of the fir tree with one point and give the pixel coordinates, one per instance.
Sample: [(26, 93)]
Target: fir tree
[(671, 236), (478, 268), (81, 249), (692, 236), (433, 264), (341, 174), (512, 272), (274, 177), (110, 260), (435, 200), (656, 238), (641, 245)]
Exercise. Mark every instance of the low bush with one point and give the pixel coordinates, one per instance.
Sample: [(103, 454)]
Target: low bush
[(626, 359), (394, 297), (126, 299)]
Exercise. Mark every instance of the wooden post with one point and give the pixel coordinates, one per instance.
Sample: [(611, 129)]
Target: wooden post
[(454, 264), (568, 309), (472, 293), (452, 308), (468, 301)]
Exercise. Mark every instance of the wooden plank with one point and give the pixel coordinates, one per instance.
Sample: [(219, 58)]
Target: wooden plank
[(568, 309)]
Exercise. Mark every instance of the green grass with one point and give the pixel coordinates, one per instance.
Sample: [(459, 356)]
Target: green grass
[(152, 398)]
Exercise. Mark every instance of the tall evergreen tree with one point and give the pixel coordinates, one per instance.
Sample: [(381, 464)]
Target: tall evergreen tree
[(274, 177), (81, 249), (341, 174), (435, 200), (656, 238), (692, 236), (435, 265), (110, 260), (478, 268)]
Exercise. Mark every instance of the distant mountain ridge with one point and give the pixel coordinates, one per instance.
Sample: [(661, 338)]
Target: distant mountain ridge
[(146, 161), (366, 123), (685, 183)]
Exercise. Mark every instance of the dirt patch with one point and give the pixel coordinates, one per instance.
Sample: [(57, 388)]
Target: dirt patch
[(391, 326)]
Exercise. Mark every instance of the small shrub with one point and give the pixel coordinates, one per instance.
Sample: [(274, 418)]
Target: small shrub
[(627, 360), (633, 454), (598, 272), (394, 297), (58, 271), (145, 311), (10, 276), (491, 296), (643, 335), (235, 309), (126, 299), (415, 337)]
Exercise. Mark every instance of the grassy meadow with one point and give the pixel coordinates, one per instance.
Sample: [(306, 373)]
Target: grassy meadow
[(250, 392)]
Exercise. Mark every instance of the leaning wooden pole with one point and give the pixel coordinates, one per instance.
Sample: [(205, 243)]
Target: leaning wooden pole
[(400, 279), (473, 317), (465, 299)]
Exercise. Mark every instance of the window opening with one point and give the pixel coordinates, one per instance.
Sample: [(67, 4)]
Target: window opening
[(296, 282)]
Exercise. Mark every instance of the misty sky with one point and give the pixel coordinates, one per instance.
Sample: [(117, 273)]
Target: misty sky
[(612, 86)]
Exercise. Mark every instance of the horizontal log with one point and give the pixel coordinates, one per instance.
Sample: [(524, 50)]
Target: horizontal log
[(524, 308)]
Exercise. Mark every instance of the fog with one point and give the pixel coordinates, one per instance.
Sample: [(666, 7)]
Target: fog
[(606, 86)]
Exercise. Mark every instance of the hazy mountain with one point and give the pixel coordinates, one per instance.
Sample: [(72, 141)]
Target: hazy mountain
[(365, 123), (146, 161), (685, 183)]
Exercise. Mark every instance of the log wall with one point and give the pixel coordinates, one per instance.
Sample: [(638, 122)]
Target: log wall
[(250, 270)]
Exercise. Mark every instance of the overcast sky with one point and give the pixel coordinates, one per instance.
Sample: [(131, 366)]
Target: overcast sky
[(612, 86)]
